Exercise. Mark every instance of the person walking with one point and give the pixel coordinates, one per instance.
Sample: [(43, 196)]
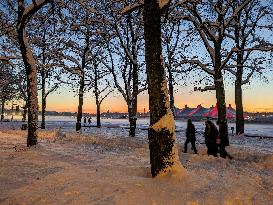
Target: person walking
[(223, 139), (211, 133), (89, 120), (84, 121), (190, 135)]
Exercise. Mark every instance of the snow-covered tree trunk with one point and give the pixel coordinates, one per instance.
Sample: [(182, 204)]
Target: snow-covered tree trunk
[(239, 96), (162, 141), (79, 115), (32, 90), (2, 109)]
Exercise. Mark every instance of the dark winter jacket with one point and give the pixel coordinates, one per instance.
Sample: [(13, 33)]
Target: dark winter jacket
[(223, 134), (211, 133), (190, 133)]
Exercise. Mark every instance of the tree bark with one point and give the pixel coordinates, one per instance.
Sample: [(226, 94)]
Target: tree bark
[(163, 149), (98, 116), (43, 99), (133, 104), (79, 115), (171, 93), (82, 83), (24, 113), (132, 120), (30, 66), (2, 110), (219, 85), (32, 91), (239, 96), (96, 90), (240, 43)]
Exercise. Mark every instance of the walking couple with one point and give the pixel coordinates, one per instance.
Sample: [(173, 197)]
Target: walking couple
[(215, 140)]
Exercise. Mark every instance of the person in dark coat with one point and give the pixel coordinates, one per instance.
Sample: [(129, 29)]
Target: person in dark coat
[(89, 120), (223, 139), (211, 133), (190, 135), (84, 120)]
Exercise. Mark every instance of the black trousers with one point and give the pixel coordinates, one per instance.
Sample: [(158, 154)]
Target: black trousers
[(212, 149), (192, 144), (223, 152)]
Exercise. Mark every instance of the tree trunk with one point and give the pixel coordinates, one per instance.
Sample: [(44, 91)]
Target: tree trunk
[(132, 120), (133, 104), (219, 85), (2, 110), (96, 91), (163, 149), (171, 91), (79, 115), (43, 99), (32, 91), (24, 113), (81, 89), (238, 96), (98, 116)]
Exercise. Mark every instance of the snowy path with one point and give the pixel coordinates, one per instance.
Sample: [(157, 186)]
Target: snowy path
[(114, 169)]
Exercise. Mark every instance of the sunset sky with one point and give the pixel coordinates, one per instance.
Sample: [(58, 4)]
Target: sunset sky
[(257, 97)]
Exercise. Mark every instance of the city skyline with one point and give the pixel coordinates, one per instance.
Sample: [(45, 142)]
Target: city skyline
[(256, 98)]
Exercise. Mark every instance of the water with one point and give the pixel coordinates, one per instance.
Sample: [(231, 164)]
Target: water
[(66, 123), (142, 123)]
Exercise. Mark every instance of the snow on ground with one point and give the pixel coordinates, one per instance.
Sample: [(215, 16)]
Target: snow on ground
[(105, 166)]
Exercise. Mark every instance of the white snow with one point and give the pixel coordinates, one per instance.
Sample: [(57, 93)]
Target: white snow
[(114, 169), (166, 122)]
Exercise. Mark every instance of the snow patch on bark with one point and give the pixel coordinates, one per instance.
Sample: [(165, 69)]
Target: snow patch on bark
[(166, 122)]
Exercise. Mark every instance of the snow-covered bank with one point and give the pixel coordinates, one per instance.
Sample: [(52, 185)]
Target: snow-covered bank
[(69, 123), (119, 129), (114, 169)]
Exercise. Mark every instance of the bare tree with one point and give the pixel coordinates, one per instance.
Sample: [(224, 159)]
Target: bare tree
[(78, 43), (25, 13), (8, 86), (125, 31), (176, 37), (250, 58), (100, 85), (211, 20), (45, 48)]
